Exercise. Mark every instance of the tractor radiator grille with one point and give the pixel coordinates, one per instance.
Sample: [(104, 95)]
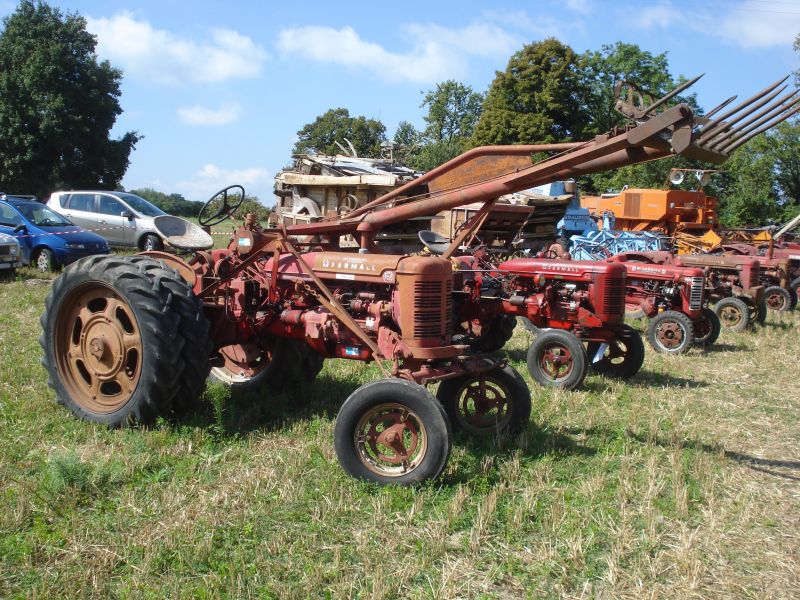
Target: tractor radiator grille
[(614, 296), (696, 293), (433, 308), (5, 251)]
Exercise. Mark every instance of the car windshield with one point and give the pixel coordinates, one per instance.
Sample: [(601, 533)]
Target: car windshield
[(41, 216), (141, 205)]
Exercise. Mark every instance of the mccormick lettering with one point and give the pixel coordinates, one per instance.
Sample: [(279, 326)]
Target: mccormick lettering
[(647, 269)]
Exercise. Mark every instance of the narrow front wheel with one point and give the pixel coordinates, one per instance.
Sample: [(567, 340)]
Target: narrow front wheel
[(392, 431), (556, 358), (671, 332), (621, 358), (733, 313), (706, 328)]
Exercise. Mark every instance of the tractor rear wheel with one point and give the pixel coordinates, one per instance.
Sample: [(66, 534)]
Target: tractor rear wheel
[(392, 431), (193, 327), (733, 313), (795, 285), (758, 312), (556, 358), (114, 341), (778, 298), (670, 332), (494, 335), (706, 328), (623, 356), (485, 404)]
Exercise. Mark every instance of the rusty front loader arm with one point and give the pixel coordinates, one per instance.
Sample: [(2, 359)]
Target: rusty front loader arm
[(486, 173)]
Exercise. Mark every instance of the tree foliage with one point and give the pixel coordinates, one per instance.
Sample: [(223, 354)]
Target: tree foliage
[(57, 105), (336, 125), (760, 183), (453, 111), (540, 97), (174, 204)]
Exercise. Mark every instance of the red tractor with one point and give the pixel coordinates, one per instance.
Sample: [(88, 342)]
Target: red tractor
[(575, 301), (731, 282), (672, 297), (780, 272), (129, 339)]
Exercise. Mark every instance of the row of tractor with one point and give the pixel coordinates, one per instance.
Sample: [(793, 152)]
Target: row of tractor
[(129, 339)]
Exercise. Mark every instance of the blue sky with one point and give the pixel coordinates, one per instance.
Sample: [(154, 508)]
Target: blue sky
[(219, 89)]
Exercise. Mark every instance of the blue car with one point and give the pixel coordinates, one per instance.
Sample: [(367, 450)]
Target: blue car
[(47, 239)]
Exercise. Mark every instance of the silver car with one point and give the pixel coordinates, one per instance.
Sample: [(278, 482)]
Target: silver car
[(10, 254), (123, 219)]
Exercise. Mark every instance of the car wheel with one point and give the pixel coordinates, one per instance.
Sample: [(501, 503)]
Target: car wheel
[(45, 260), (151, 243)]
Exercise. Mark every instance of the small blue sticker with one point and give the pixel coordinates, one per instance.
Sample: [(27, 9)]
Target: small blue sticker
[(351, 351)]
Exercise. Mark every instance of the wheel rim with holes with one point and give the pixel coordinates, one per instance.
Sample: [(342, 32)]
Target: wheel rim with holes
[(483, 404), (43, 262), (556, 361), (98, 348), (776, 301), (670, 335), (730, 316), (390, 440)]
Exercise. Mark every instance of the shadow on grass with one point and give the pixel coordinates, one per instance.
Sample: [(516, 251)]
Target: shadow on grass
[(231, 412), (649, 378), (752, 462), (782, 326), (726, 348)]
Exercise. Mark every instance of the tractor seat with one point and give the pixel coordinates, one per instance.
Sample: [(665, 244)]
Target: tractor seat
[(434, 242)]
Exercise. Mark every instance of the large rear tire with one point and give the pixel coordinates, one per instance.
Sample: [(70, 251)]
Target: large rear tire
[(112, 344), (706, 328), (556, 358), (491, 403), (670, 332), (392, 431), (733, 313), (623, 356)]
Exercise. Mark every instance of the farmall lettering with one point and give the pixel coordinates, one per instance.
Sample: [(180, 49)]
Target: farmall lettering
[(349, 265)]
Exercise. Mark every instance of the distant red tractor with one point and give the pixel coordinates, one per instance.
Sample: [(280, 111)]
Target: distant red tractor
[(731, 283), (780, 272), (575, 301), (672, 297)]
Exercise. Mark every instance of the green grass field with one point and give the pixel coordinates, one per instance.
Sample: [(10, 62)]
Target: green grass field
[(684, 483)]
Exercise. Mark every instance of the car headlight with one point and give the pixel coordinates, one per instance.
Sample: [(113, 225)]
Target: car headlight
[(12, 250), (75, 246)]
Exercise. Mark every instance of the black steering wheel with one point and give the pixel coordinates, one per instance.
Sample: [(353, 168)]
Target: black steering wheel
[(217, 209)]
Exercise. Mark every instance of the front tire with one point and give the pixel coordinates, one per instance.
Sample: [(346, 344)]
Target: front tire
[(556, 358), (706, 328), (152, 243), (494, 335), (733, 313), (670, 332), (622, 358), (392, 431), (491, 403), (112, 344), (45, 260)]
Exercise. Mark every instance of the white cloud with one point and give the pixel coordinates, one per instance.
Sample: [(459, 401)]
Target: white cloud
[(210, 178), (580, 6), (167, 58), (202, 115), (748, 24), (436, 52)]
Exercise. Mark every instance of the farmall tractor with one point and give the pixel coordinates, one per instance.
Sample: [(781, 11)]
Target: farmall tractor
[(129, 339), (672, 297), (731, 283)]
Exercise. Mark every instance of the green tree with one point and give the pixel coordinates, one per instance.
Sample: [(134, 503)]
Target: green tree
[(797, 48), (453, 112), (407, 141), (174, 204), (336, 125), (760, 183), (540, 97), (57, 105)]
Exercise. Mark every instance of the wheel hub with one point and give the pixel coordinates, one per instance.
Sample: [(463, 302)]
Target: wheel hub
[(390, 440), (556, 361), (670, 335)]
